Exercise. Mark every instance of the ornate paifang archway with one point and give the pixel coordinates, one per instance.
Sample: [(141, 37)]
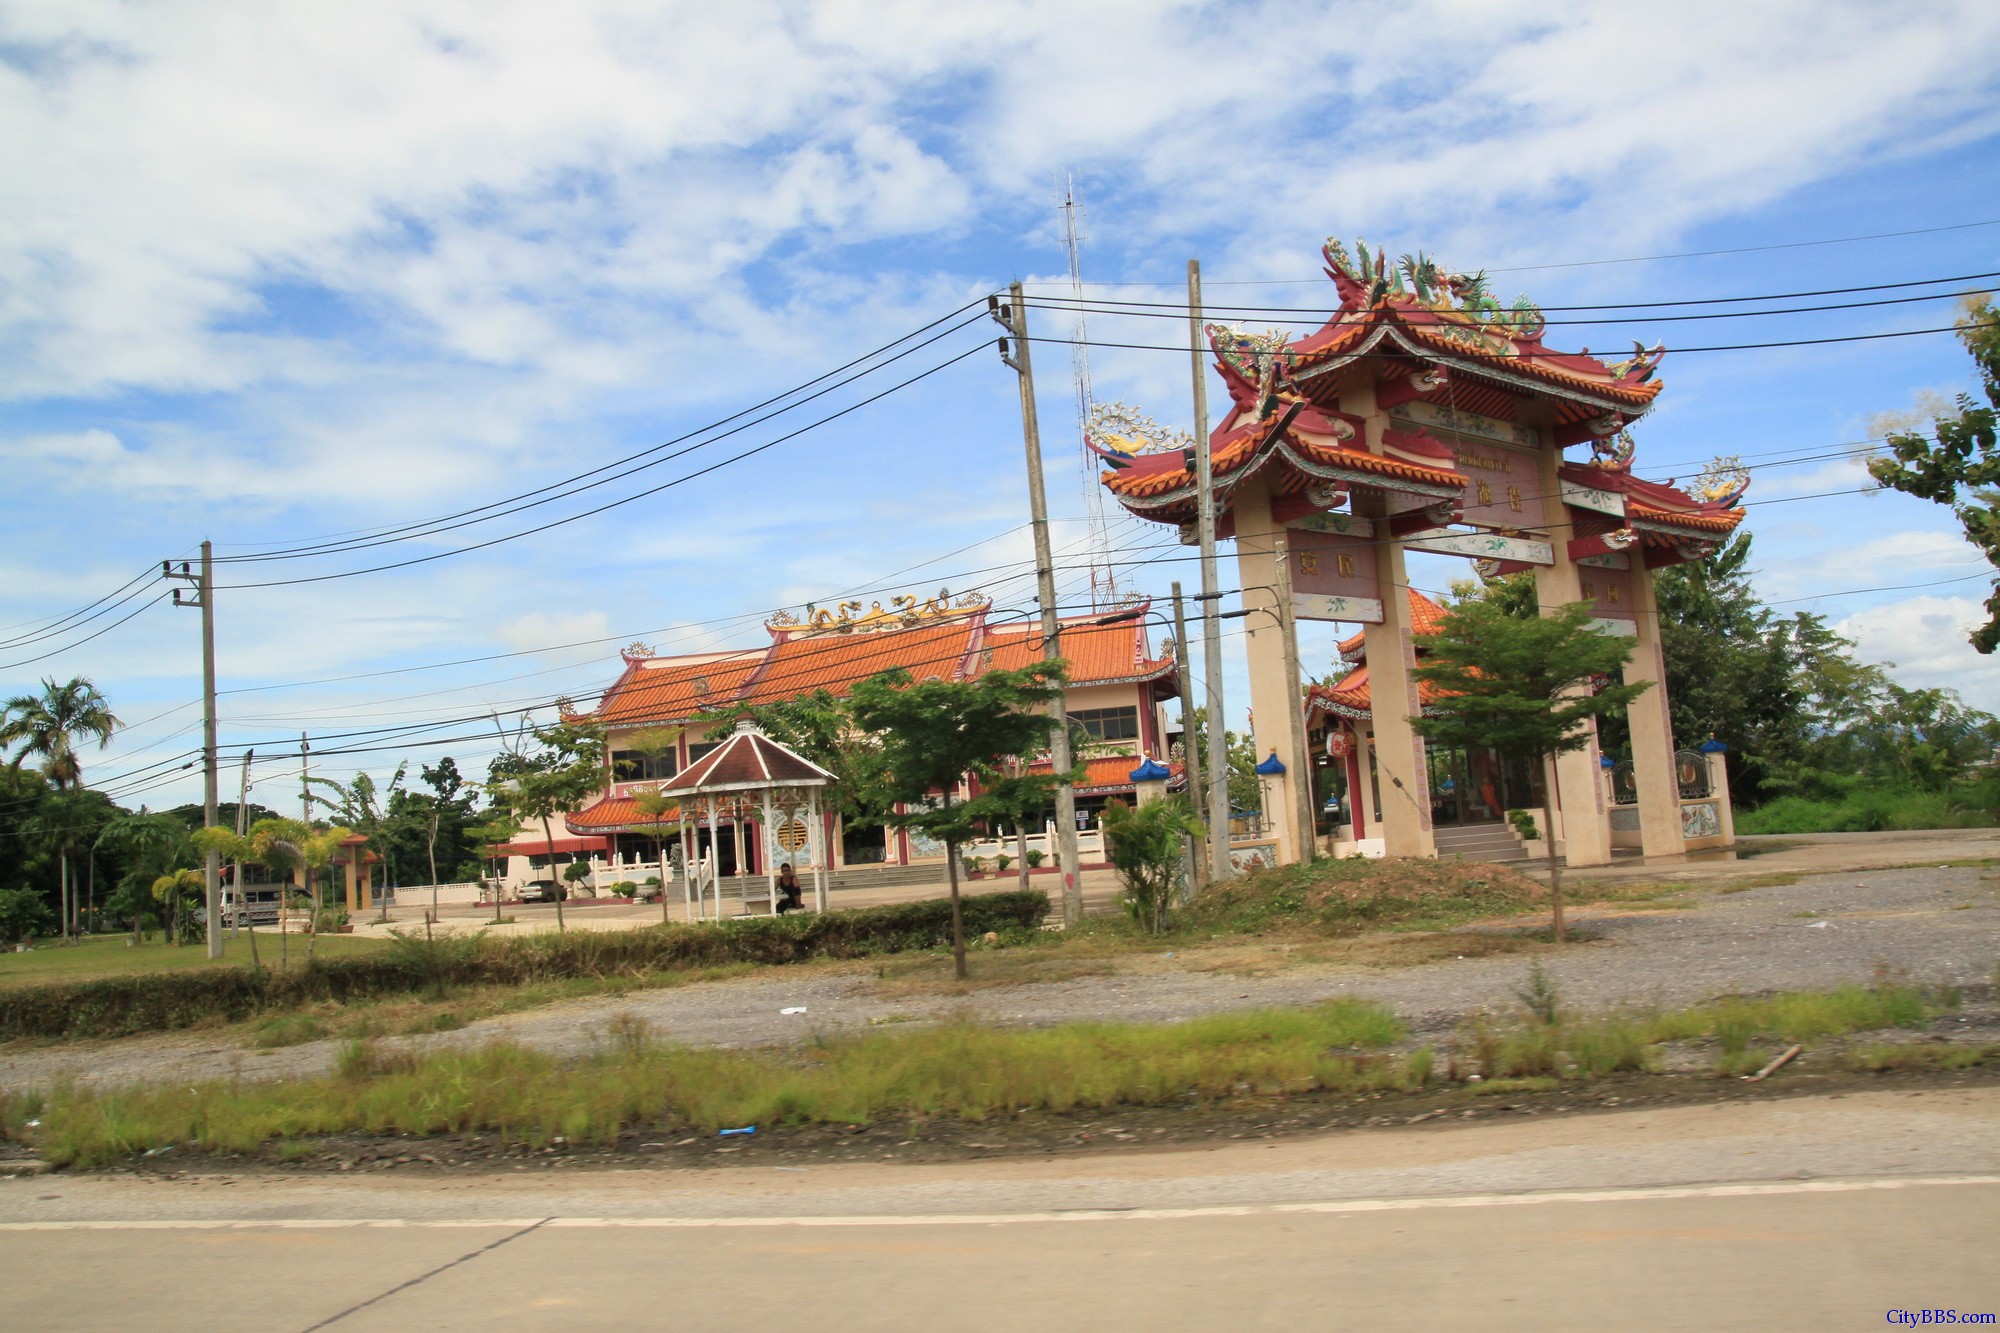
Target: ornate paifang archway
[(1426, 416)]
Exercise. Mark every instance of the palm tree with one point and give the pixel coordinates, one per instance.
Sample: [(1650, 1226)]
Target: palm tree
[(50, 724)]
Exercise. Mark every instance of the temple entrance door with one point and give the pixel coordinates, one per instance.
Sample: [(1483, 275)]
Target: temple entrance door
[(1467, 786)]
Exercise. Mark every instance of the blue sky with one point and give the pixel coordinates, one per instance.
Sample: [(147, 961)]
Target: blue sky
[(277, 273)]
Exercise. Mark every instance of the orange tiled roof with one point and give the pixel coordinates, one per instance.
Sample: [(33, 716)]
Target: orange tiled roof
[(1425, 618), (673, 690), (1101, 774), (1098, 654), (1350, 697), (617, 812)]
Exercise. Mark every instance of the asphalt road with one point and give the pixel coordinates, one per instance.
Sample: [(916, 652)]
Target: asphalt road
[(1689, 1217)]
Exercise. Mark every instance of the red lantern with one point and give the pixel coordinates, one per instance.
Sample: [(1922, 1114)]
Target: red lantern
[(1339, 744)]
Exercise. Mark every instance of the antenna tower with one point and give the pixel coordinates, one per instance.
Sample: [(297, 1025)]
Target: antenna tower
[(1103, 577)]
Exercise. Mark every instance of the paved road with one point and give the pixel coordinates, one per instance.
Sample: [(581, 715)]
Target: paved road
[(1814, 1213)]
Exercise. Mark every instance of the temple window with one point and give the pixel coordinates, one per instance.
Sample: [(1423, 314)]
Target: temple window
[(1108, 724), (633, 766)]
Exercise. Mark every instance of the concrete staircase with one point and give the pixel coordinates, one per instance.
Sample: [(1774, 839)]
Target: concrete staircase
[(885, 877), (1481, 842)]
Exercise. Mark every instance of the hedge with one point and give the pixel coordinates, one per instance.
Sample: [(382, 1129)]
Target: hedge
[(160, 1001)]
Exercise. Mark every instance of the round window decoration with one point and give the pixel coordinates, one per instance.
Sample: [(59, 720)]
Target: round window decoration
[(793, 835)]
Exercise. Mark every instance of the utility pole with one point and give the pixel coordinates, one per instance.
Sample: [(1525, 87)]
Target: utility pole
[(203, 596), (1304, 806), (1013, 317), (242, 827), (1190, 751), (1211, 629)]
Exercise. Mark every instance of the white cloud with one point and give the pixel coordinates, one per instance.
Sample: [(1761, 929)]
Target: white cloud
[(540, 631), (1925, 637)]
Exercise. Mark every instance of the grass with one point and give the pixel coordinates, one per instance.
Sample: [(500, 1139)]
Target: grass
[(1866, 809), (100, 956), (960, 1070), (1878, 1059), (1552, 1043)]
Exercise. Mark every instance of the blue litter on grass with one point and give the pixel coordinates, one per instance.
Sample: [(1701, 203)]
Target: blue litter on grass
[(725, 1133)]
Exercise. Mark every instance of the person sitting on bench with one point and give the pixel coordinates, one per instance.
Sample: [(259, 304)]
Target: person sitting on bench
[(790, 895)]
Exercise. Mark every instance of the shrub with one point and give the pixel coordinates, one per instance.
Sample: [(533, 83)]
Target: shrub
[(1001, 862), (159, 1001), (1035, 858)]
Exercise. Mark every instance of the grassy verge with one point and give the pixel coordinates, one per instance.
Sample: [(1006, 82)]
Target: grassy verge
[(100, 956), (960, 1072), (1859, 808)]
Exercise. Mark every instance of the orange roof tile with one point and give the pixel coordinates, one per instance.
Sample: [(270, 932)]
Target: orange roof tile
[(836, 663), (1097, 653), (1101, 774), (1350, 696), (1425, 618), (672, 690), (615, 812)]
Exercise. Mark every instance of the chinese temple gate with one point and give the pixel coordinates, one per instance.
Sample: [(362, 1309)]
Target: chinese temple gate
[(1426, 416)]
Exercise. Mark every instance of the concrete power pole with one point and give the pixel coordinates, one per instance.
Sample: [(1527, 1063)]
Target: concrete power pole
[(1220, 867), (1190, 752), (204, 597), (1013, 317)]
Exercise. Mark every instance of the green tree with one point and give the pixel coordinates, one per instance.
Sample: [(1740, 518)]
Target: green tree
[(22, 915), (48, 726), (1527, 688), (565, 768), (925, 737), (1147, 847), (653, 804), (150, 846), (1958, 464)]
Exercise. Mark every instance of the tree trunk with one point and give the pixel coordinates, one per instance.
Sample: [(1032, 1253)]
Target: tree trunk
[(1555, 868), (312, 926), (243, 910), (62, 877), (1021, 848), (660, 868), (284, 936), (549, 835), (957, 914)]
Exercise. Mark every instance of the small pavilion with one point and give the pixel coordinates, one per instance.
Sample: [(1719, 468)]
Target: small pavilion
[(746, 776)]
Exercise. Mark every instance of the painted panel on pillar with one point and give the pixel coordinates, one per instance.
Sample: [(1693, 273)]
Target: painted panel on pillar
[(1332, 565), (1503, 485), (1482, 546), (1610, 593)]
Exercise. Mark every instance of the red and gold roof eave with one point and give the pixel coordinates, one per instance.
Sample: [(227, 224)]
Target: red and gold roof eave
[(1168, 495), (1416, 330)]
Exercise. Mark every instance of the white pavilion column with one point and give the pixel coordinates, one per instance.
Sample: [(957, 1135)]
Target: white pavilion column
[(1584, 819), (1652, 726), (1405, 816), (766, 836), (1274, 697)]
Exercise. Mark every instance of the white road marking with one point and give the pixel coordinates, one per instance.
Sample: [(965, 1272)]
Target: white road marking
[(1747, 1189)]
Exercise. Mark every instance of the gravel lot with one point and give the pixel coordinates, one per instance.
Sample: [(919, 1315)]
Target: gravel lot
[(1933, 925)]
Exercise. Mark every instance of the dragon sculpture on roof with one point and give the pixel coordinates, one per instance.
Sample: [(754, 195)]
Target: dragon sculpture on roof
[(1472, 313)]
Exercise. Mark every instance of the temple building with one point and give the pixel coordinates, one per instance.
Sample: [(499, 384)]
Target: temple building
[(1116, 688), (1426, 416)]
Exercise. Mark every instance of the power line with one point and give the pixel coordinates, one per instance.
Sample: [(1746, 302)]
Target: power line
[(625, 500), (1064, 302)]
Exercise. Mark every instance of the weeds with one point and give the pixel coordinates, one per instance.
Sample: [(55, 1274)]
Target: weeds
[(1921, 1055), (960, 1070), (1542, 995)]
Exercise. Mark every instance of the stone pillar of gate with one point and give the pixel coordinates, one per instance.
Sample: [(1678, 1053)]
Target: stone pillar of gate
[(1586, 820), (1652, 726), (1274, 693), (1392, 700)]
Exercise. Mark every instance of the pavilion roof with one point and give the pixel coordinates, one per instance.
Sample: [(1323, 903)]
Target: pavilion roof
[(748, 761)]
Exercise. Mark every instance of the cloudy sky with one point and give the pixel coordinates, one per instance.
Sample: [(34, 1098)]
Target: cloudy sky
[(296, 273)]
